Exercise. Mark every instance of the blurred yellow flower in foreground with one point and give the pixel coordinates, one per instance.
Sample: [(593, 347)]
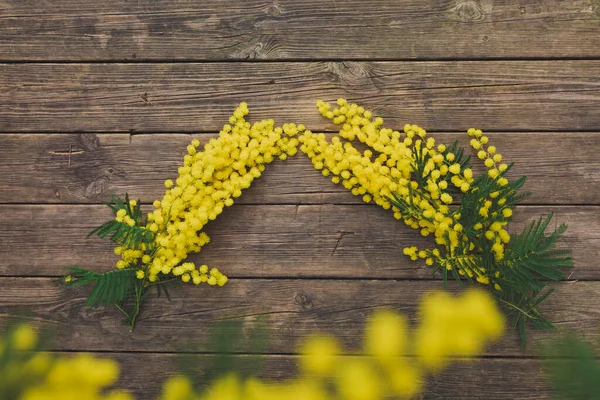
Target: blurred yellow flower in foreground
[(24, 337), (394, 360), (456, 326), (392, 364), (386, 335), (78, 378), (319, 354)]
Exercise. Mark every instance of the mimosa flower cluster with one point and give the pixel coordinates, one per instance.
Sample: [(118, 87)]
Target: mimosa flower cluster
[(208, 181), (153, 250), (409, 166), (431, 187), (449, 326)]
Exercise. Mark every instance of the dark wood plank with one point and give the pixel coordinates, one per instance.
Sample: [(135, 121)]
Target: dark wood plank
[(292, 309), (474, 379), (190, 97), (88, 168), (268, 241), (292, 29)]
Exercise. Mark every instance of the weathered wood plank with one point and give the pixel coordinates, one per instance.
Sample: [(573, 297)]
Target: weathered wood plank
[(268, 241), (190, 97), (478, 379), (87, 168), (293, 308), (292, 29)]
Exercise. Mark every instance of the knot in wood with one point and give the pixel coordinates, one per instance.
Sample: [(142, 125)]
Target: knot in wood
[(304, 300), (350, 73), (254, 51), (468, 11), (95, 188), (89, 141), (274, 10)]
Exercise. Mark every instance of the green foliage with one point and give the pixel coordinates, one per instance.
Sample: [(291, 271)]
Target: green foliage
[(572, 368), (534, 251), (110, 288), (530, 259), (531, 262), (520, 278), (130, 236), (473, 200), (120, 288)]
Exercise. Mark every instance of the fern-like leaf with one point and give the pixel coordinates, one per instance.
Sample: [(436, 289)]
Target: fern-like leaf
[(128, 236), (534, 250), (122, 233), (110, 288), (530, 262)]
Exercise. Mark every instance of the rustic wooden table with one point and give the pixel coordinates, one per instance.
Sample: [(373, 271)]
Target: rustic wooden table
[(101, 97)]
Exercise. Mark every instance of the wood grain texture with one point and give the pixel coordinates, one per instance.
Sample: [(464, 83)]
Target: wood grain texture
[(192, 97), (352, 241), (292, 309), (292, 29), (87, 168), (474, 379), (302, 254)]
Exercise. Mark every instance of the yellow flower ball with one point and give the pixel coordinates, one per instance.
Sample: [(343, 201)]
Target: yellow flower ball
[(385, 335), (319, 354), (454, 168), (358, 380), (405, 380), (24, 337)]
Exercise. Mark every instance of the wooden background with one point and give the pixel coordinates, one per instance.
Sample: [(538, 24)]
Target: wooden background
[(101, 97)]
